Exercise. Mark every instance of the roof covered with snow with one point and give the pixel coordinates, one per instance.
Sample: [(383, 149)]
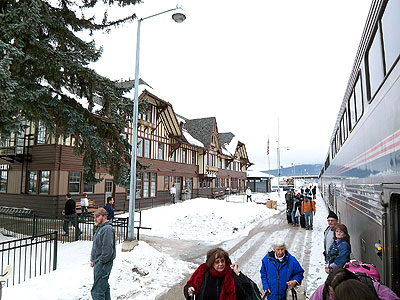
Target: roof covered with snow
[(258, 174), (201, 129), (229, 143)]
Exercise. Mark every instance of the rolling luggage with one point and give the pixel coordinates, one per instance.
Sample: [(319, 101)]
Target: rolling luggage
[(303, 221)]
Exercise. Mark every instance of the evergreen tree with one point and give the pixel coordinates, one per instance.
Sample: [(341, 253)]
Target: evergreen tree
[(45, 74)]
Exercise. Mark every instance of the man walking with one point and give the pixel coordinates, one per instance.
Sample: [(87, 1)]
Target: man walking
[(109, 208), (333, 220), (102, 256), (172, 191), (308, 209), (248, 194), (70, 216)]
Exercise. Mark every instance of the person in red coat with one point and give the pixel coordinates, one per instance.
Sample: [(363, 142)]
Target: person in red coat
[(217, 279)]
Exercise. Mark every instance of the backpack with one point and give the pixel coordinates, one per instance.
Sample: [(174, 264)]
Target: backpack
[(363, 278), (367, 269), (367, 273)]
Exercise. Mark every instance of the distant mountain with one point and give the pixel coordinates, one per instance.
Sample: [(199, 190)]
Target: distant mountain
[(297, 170)]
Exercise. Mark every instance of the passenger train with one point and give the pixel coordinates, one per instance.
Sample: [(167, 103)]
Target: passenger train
[(360, 179)]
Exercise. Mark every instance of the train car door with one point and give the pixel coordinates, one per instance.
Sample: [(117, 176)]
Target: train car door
[(391, 234)]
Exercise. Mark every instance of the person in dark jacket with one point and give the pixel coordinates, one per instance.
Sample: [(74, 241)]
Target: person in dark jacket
[(70, 216), (102, 255), (339, 252), (109, 208), (216, 280), (279, 271)]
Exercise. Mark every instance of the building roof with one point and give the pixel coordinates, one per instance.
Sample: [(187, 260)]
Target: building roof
[(258, 174), (201, 129)]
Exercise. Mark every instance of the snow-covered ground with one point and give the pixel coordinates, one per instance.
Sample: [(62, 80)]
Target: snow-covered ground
[(145, 272)]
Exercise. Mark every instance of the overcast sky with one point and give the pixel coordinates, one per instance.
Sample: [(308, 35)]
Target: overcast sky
[(247, 63)]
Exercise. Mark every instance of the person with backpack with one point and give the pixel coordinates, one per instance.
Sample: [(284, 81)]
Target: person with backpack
[(280, 271), (295, 209), (308, 209), (339, 252), (289, 205), (326, 291)]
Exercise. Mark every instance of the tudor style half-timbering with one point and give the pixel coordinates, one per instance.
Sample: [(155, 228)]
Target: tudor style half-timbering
[(36, 170)]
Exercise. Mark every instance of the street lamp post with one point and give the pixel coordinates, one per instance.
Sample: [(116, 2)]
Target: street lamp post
[(179, 18), (278, 152)]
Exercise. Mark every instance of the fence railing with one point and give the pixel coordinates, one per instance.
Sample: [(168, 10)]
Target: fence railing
[(29, 257), (23, 226)]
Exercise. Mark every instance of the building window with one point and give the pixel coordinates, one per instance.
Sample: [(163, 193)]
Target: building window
[(74, 182), (166, 181), (44, 182), (140, 147), (3, 181), (139, 186), (32, 182), (40, 133), (146, 116), (172, 156), (146, 184), (193, 157), (160, 151), (88, 187), (184, 155), (146, 148), (153, 185)]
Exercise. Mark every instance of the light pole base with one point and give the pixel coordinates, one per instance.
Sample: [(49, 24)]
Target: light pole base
[(128, 246)]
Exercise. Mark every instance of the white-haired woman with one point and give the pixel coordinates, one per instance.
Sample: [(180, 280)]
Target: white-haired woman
[(279, 271)]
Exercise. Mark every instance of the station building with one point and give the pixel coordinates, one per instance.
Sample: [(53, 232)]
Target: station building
[(36, 170)]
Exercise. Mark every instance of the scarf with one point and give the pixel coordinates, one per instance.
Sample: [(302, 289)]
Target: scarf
[(228, 288)]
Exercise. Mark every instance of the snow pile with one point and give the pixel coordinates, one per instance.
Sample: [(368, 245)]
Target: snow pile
[(205, 219)]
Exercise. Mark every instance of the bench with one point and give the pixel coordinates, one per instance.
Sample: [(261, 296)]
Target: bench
[(91, 208), (218, 194), (139, 224)]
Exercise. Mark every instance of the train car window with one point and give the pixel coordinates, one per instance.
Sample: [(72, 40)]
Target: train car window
[(352, 112), (345, 127), (333, 148), (364, 83), (376, 68), (359, 99), (338, 138), (390, 31)]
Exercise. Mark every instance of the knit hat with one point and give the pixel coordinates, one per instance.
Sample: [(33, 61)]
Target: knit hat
[(332, 215)]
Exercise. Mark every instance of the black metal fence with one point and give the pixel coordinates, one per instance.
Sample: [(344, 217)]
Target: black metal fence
[(29, 257), (23, 226)]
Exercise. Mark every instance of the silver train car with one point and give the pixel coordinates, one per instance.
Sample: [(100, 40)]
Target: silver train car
[(360, 179)]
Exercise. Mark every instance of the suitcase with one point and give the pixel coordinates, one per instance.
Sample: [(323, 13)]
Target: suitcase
[(303, 221)]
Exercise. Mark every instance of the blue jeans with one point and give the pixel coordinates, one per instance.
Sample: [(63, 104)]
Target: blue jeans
[(294, 219), (309, 219), (101, 288), (84, 210)]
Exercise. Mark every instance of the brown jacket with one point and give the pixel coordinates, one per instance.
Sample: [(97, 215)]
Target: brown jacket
[(308, 206)]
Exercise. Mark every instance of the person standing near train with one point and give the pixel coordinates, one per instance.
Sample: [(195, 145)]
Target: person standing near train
[(339, 252), (308, 209), (328, 233)]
